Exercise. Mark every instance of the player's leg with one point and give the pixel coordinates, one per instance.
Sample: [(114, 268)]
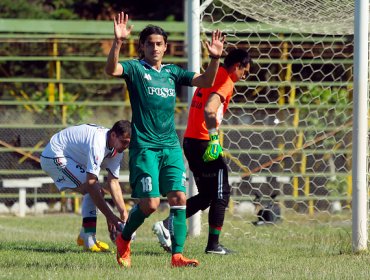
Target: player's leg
[(220, 199), (64, 172), (201, 201), (172, 181), (177, 220), (193, 205), (178, 229), (136, 218), (87, 236), (138, 214), (144, 182), (194, 150), (68, 174)]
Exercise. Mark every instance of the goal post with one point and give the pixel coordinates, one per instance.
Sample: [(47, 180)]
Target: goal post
[(192, 8), (360, 127)]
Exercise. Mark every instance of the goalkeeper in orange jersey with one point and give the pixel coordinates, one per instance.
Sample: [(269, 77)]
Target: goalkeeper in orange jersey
[(204, 153)]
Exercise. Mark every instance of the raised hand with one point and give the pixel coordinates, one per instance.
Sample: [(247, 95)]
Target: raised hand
[(216, 46), (121, 31)]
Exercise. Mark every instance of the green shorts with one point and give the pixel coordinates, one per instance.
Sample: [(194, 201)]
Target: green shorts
[(156, 172)]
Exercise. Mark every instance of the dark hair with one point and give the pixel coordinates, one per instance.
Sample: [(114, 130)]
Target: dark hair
[(237, 56), (147, 31), (122, 127)]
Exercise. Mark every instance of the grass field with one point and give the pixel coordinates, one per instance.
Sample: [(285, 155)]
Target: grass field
[(43, 247)]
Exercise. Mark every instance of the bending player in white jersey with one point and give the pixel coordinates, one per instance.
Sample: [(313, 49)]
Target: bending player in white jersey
[(73, 159)]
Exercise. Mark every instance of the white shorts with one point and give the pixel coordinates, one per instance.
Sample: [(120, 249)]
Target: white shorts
[(65, 172)]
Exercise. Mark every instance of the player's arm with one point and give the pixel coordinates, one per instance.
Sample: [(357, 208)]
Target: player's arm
[(210, 110), (215, 49), (114, 188), (214, 149), (93, 188), (121, 31)]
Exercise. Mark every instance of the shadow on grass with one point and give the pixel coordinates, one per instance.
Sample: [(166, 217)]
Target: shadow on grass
[(39, 247), (48, 247), (148, 253)]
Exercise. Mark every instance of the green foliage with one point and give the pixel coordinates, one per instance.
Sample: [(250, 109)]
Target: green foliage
[(321, 115), (170, 18), (320, 95), (63, 14), (337, 186), (22, 9), (74, 113), (38, 9), (90, 9)]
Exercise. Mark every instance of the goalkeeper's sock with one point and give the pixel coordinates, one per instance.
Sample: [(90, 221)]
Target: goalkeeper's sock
[(177, 228), (135, 220), (213, 236)]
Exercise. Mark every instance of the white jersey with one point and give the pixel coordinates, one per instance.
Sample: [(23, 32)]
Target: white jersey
[(87, 145)]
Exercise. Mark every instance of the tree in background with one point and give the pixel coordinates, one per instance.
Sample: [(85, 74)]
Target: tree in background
[(91, 9)]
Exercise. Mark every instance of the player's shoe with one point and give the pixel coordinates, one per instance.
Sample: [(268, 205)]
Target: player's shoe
[(97, 247), (123, 252), (163, 235), (178, 260), (218, 250)]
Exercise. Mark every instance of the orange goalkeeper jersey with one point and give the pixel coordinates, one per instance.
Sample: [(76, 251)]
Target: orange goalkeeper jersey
[(223, 86)]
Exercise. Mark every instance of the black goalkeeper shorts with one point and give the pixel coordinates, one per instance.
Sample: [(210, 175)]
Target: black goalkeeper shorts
[(211, 178)]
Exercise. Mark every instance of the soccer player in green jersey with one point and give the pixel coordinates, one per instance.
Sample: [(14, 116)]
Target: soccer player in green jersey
[(156, 160)]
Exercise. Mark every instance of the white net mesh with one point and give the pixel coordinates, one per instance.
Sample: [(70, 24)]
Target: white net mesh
[(288, 130), (310, 16)]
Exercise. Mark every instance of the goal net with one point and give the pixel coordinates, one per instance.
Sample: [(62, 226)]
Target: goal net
[(288, 130), (304, 16)]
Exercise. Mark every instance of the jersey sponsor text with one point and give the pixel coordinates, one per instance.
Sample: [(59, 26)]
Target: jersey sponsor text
[(162, 92)]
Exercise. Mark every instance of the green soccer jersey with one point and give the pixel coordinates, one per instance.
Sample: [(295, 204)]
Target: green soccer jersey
[(153, 95)]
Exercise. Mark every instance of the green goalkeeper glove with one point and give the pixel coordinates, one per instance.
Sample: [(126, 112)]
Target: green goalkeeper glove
[(214, 149)]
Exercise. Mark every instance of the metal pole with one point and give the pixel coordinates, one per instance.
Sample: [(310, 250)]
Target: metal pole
[(193, 47), (22, 202), (360, 128)]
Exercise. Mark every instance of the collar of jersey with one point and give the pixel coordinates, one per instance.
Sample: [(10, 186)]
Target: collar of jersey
[(143, 62), (111, 151)]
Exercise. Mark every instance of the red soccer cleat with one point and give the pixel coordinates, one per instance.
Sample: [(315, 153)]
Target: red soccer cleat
[(123, 252), (178, 260)]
